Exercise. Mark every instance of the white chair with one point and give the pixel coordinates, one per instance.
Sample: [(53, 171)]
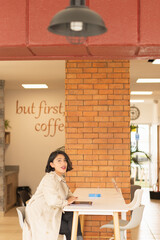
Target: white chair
[(136, 202), (133, 189), (21, 217), (125, 225)]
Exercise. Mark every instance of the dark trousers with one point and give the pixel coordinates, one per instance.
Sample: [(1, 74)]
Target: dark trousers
[(66, 225)]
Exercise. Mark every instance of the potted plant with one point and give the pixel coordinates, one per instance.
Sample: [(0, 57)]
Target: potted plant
[(7, 124), (7, 134), (134, 156)]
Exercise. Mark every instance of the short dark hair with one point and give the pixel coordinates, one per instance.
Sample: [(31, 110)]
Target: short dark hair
[(53, 155)]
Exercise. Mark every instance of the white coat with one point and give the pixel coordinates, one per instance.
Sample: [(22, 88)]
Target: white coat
[(44, 210)]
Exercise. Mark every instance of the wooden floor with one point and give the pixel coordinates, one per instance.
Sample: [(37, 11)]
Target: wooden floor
[(148, 230), (9, 226)]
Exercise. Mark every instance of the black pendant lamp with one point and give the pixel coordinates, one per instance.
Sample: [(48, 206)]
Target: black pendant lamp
[(77, 22)]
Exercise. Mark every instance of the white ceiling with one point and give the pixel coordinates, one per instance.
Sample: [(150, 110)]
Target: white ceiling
[(17, 72), (52, 73), (144, 69)]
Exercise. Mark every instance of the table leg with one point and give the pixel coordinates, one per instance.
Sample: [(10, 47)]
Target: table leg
[(124, 217), (82, 223), (74, 226), (116, 226)]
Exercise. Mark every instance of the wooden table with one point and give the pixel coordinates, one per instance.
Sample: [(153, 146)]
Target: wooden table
[(111, 202)]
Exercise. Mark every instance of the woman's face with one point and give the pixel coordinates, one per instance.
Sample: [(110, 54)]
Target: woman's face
[(59, 164)]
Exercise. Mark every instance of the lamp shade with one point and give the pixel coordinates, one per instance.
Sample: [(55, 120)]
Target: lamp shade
[(77, 20)]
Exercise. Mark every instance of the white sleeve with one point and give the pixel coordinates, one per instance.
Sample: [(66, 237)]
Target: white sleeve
[(70, 194), (51, 194)]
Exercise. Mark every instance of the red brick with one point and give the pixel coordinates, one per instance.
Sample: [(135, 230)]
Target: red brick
[(81, 174), (100, 108), (83, 163), (100, 130), (116, 86), (85, 152), (91, 124), (90, 70), (74, 70), (100, 86), (70, 76), (105, 135), (89, 135), (71, 130), (85, 86), (100, 185), (91, 157), (73, 103), (114, 75), (85, 108), (93, 103), (75, 92), (91, 92), (101, 119), (108, 102), (90, 114), (86, 119), (91, 146), (109, 91), (84, 97), (106, 70), (100, 97), (84, 65), (106, 124), (115, 97), (99, 64), (90, 80), (75, 124), (107, 113), (85, 130), (121, 70), (83, 185), (90, 168), (75, 113), (84, 75), (115, 65), (84, 141)]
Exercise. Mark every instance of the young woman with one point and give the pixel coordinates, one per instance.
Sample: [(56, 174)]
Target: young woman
[(45, 219)]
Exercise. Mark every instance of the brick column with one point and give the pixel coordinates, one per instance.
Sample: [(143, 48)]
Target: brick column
[(98, 127), (2, 146)]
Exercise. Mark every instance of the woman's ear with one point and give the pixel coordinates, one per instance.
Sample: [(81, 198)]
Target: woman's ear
[(52, 164)]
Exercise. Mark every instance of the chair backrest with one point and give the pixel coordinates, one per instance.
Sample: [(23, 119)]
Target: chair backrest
[(136, 202), (135, 218), (133, 189), (21, 215), (24, 196)]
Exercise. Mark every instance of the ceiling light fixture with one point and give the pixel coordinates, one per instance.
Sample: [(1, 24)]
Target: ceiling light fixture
[(34, 86), (77, 22), (141, 93), (148, 80), (136, 101), (151, 60), (156, 61)]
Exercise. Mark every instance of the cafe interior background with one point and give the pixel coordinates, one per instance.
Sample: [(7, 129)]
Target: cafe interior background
[(37, 117)]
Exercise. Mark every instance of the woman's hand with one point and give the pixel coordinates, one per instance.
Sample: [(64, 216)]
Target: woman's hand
[(71, 199)]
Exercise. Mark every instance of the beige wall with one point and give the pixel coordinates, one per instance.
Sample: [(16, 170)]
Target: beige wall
[(30, 147), (146, 112)]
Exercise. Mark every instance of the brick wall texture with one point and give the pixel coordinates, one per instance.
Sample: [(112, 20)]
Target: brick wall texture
[(98, 128)]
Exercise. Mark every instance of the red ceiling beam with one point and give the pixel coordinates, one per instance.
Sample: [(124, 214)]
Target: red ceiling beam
[(133, 30)]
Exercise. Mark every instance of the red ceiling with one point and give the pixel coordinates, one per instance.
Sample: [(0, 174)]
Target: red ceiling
[(133, 30)]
